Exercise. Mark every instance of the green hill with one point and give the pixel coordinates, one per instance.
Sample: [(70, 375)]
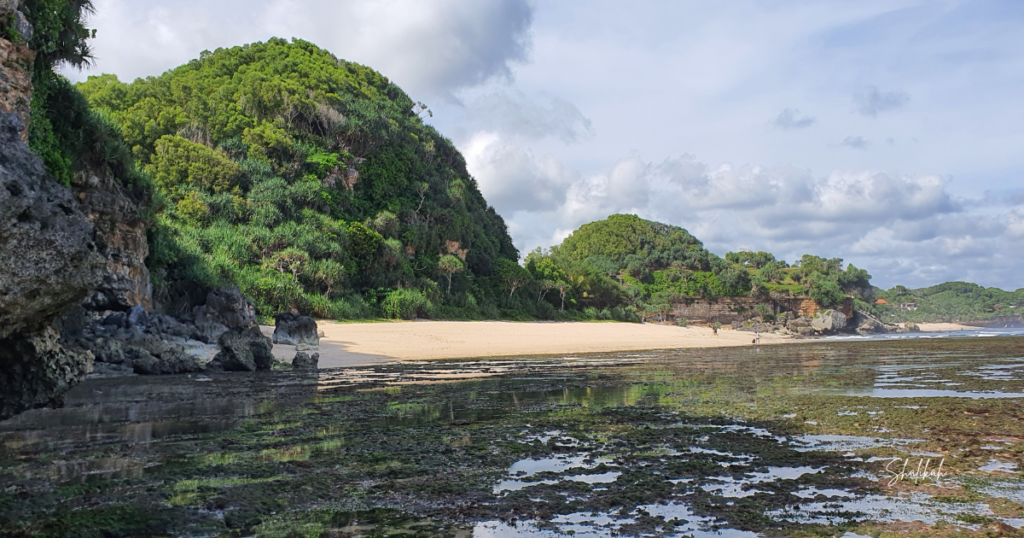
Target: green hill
[(310, 181), (950, 302), (628, 261)]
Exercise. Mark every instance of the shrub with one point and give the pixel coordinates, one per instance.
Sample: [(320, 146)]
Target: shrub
[(404, 303)]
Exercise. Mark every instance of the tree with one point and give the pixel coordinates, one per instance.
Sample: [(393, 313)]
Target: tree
[(327, 273), (562, 287), (448, 265), (824, 289), (512, 275)]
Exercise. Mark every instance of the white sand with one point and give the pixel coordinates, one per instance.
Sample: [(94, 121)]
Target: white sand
[(347, 344), (943, 327)]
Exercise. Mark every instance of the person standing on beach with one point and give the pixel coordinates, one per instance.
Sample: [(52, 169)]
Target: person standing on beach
[(757, 337)]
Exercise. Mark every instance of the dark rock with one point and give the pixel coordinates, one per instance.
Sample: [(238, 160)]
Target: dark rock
[(225, 308), (294, 329), (119, 234), (36, 371), (172, 363), (304, 361), (102, 369), (796, 324), (50, 262), (243, 350), (865, 323)]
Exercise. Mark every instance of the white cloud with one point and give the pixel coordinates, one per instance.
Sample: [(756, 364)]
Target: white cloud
[(906, 229), (429, 47), (513, 113)]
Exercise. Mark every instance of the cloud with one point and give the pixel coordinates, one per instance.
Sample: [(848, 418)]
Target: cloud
[(790, 119), (871, 101), (429, 47), (855, 142), (512, 178), (905, 229), (513, 113)]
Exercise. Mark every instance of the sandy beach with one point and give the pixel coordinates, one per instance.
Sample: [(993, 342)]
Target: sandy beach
[(943, 327), (348, 344)]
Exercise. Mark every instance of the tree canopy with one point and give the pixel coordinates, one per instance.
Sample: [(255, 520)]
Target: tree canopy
[(277, 163)]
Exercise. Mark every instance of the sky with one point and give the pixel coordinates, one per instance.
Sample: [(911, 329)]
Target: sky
[(887, 133)]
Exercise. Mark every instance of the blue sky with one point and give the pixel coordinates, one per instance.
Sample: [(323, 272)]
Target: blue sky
[(888, 133)]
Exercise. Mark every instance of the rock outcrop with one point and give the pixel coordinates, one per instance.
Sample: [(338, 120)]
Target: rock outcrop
[(50, 264), (226, 308), (120, 239), (139, 342), (293, 329), (36, 371), (864, 323), (305, 361), (243, 350), (50, 261), (15, 61), (828, 321)]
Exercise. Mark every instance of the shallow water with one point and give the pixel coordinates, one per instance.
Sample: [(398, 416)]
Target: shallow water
[(699, 442)]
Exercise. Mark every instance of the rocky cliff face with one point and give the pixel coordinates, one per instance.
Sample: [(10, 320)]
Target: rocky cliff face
[(61, 248), (120, 238), (15, 78), (50, 265), (50, 260)]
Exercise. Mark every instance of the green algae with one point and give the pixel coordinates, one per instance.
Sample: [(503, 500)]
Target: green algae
[(699, 429)]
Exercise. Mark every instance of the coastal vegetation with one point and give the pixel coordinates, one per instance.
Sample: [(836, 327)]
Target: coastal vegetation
[(949, 302)]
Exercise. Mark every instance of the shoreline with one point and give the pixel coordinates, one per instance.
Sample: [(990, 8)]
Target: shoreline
[(353, 344), (380, 341)]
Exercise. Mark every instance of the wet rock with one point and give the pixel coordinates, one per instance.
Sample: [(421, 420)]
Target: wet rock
[(243, 350), (305, 361), (36, 371), (828, 321), (294, 329)]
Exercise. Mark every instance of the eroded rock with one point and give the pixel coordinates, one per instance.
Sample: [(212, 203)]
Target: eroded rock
[(305, 361), (36, 371), (50, 262), (243, 350), (295, 329), (828, 321)]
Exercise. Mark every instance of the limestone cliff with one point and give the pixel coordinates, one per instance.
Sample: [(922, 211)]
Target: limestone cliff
[(50, 264), (120, 237), (61, 247)]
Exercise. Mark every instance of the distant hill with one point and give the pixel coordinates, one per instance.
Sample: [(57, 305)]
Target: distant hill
[(950, 302), (626, 260)]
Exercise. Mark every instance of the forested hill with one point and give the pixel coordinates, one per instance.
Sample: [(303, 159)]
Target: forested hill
[(647, 266), (951, 301), (310, 181)]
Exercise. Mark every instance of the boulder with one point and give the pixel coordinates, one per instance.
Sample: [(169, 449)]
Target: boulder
[(305, 361), (865, 323), (225, 308), (828, 321), (243, 350), (796, 324), (37, 371), (293, 329)]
